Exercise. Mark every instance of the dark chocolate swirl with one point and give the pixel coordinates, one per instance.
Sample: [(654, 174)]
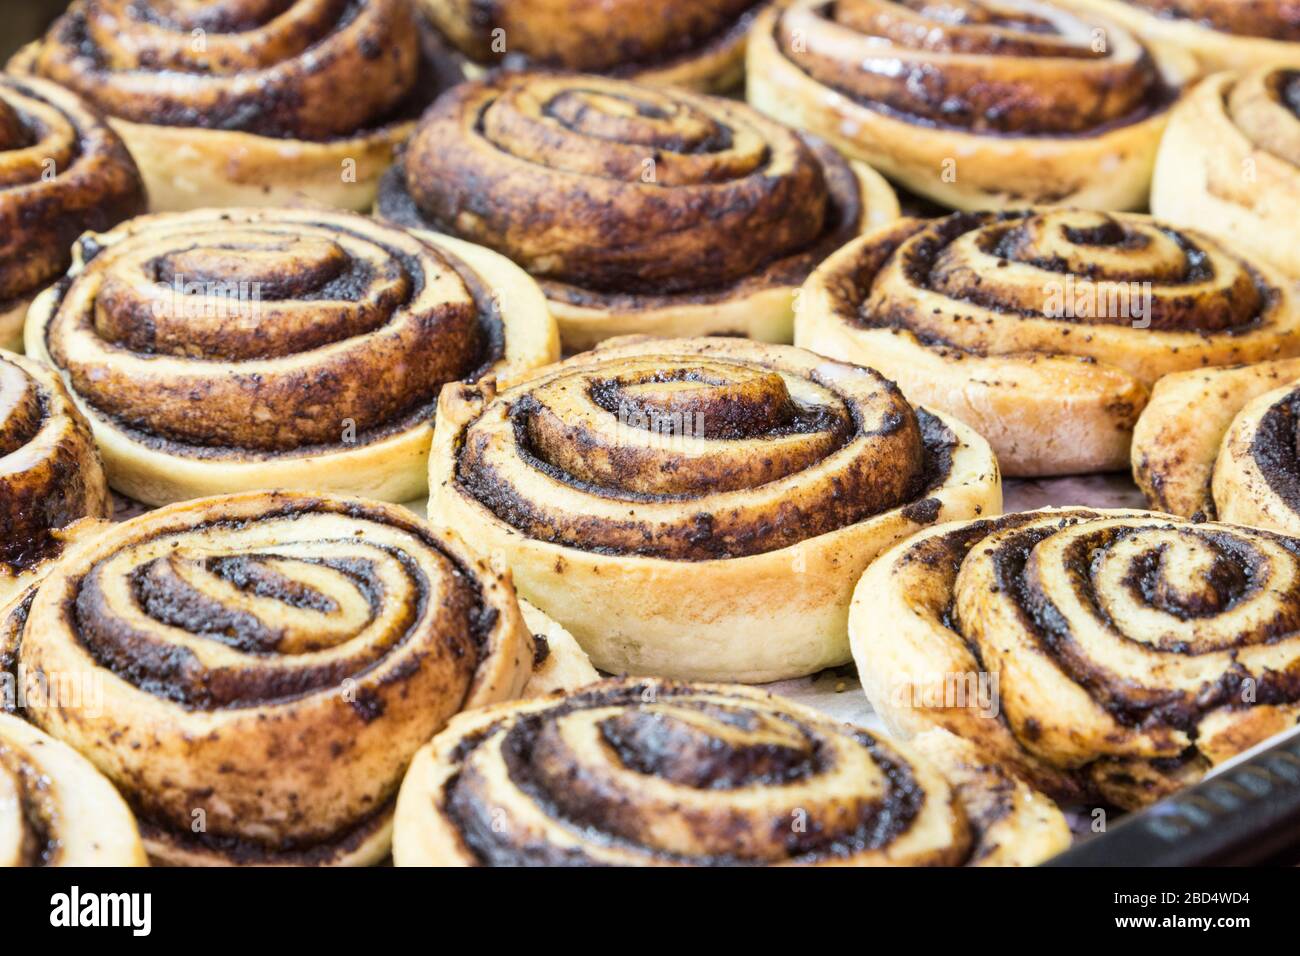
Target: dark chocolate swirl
[(303, 69), (978, 65), (695, 453), (656, 773), (1131, 650), (50, 473), (55, 808), (602, 188), (258, 337), (1269, 19), (62, 171), (275, 661), (623, 37)]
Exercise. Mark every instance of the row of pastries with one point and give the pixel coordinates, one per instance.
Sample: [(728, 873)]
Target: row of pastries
[(692, 404)]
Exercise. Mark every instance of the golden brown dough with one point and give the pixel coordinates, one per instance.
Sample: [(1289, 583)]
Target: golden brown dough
[(245, 102), (1230, 163), (1222, 442), (699, 508), (559, 662), (1221, 34), (50, 473), (976, 104), (637, 773), (1044, 330), (637, 209), (62, 171), (269, 664), (55, 808), (1102, 655), (697, 44), (227, 350)]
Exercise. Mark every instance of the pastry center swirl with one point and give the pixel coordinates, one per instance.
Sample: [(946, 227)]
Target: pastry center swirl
[(694, 457), (1065, 266), (268, 332), (691, 775), (981, 65)]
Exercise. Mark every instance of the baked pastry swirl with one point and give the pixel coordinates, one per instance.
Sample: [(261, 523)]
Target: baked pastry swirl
[(56, 809), (637, 209), (50, 473), (1221, 34), (225, 350), (1044, 329), (1222, 443), (245, 102), (634, 773), (1230, 163), (269, 664), (1102, 654), (697, 44), (976, 104), (699, 508), (62, 171)]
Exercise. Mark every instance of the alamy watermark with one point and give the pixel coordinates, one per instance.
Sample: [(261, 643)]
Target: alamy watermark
[(210, 299), (1088, 299)]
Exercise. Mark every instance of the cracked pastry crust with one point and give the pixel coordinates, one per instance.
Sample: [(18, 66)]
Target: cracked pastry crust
[(695, 44), (269, 663), (227, 350), (1222, 443), (1044, 329), (245, 102), (1230, 163), (1109, 655), (1220, 34), (699, 508), (62, 171), (638, 210), (55, 807), (641, 772), (976, 104)]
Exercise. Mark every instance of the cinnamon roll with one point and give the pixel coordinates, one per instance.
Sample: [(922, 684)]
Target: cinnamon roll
[(269, 664), (246, 102), (637, 773), (637, 209), (1222, 443), (50, 474), (976, 104), (62, 171), (699, 508), (1044, 329), (1221, 34), (1230, 163), (56, 809), (559, 662), (228, 350), (697, 44), (1106, 655)]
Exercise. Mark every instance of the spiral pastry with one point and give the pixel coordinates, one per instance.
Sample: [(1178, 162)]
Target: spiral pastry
[(1220, 34), (230, 350), (637, 209), (1222, 443), (1105, 655), (1230, 163), (976, 104), (245, 102), (50, 473), (55, 808), (62, 171), (269, 664), (697, 44), (1044, 329), (637, 773), (699, 508)]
